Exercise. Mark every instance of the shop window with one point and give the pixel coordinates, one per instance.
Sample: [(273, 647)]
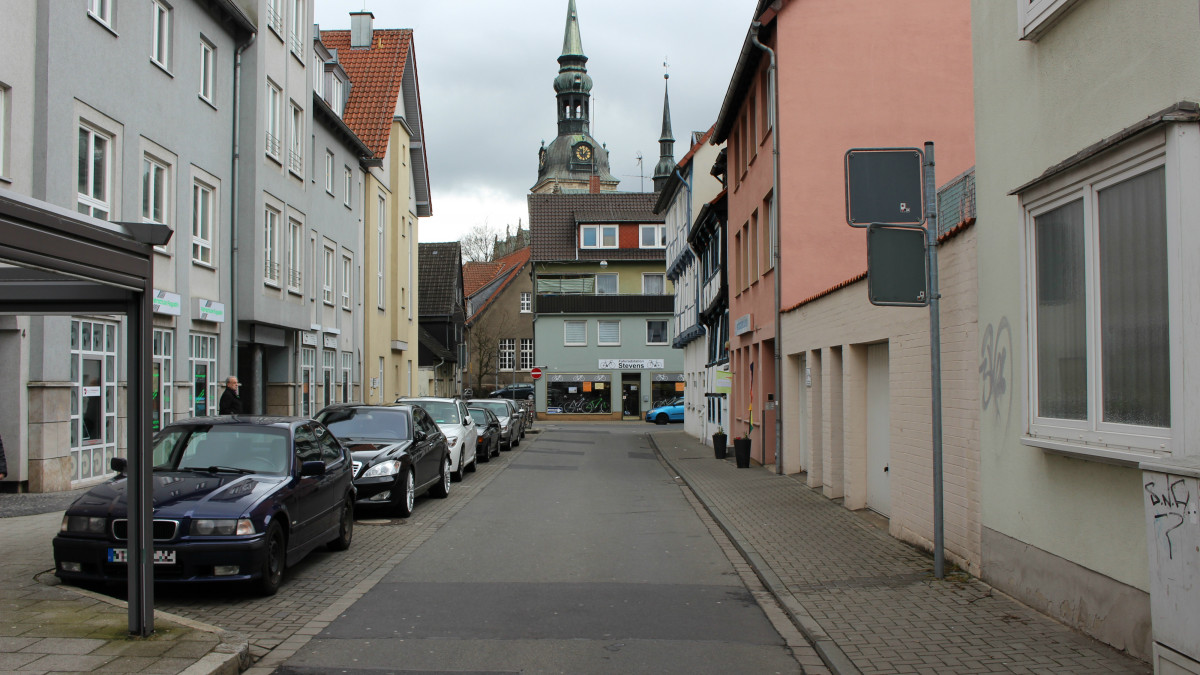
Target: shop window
[(580, 394)]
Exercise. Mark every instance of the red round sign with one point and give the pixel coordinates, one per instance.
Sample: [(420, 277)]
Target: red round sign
[(535, 373)]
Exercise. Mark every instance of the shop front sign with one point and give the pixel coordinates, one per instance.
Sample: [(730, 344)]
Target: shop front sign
[(632, 364), (166, 302), (210, 310)]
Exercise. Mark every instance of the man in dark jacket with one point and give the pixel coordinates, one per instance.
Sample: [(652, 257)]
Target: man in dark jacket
[(231, 403)]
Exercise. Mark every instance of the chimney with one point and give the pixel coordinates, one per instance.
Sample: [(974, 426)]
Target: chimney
[(594, 184), (361, 32)]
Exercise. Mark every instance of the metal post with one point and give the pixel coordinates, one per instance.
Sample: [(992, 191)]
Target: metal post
[(139, 548), (935, 361)]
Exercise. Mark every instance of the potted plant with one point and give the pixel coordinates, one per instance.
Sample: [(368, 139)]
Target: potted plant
[(741, 450), (719, 439)]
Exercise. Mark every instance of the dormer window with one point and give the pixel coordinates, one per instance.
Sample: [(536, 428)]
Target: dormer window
[(598, 236), (337, 100)]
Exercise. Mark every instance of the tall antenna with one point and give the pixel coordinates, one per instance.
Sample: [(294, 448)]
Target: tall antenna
[(641, 174)]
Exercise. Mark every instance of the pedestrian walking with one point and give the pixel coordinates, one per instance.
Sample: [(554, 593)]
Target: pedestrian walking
[(231, 403)]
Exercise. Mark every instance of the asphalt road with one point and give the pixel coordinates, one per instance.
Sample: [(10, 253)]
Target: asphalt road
[(582, 556)]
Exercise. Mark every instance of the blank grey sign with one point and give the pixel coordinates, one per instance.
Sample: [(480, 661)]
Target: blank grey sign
[(884, 186)]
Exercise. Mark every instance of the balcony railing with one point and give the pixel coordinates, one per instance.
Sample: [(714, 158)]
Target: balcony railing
[(294, 278), (296, 161), (272, 144), (271, 271), (605, 304)]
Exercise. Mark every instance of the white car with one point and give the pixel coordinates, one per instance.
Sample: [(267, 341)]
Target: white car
[(461, 432), (510, 419)]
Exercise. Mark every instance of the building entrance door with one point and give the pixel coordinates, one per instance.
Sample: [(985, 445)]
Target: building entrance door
[(631, 394), (879, 492)]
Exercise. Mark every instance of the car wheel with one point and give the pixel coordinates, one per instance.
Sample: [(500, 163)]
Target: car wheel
[(456, 476), (272, 571), (442, 489), (486, 456), (661, 419), (345, 527), (404, 506), (496, 447)]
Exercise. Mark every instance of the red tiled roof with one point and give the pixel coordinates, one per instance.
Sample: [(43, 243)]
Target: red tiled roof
[(375, 76), (511, 265), (476, 275)]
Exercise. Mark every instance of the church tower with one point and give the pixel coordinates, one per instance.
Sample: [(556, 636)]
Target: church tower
[(666, 143), (574, 161)]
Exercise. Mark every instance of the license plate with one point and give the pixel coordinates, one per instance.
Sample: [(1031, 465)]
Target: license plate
[(161, 557)]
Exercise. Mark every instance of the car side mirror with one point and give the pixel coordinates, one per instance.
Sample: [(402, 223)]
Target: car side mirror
[(419, 435), (118, 464), (313, 468)]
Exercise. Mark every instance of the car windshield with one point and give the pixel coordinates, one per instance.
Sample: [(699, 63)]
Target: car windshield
[(479, 415), (239, 448), (442, 412), (367, 423), (498, 408)]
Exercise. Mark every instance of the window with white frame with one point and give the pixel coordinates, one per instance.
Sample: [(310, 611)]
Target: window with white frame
[(1101, 284), (296, 147), (347, 375), (5, 115), (526, 302), (337, 97), (95, 173), (208, 62), (101, 10), (507, 353), (275, 16), (608, 333), (328, 364), (598, 236), (574, 333), (162, 379), (155, 191), (654, 284), (299, 17), (768, 220), (308, 367), (347, 184), (202, 361), (329, 172), (271, 246), (203, 222), (606, 284), (347, 280), (295, 255), (161, 39), (653, 236), (379, 251), (656, 331), (526, 353), (274, 116), (330, 274), (1035, 17), (318, 75)]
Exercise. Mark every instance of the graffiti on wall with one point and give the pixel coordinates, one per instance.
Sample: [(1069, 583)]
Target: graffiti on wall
[(1172, 502), (996, 371)]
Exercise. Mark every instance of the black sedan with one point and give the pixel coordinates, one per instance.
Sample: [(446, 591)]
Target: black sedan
[(235, 498), (488, 445), (398, 452)]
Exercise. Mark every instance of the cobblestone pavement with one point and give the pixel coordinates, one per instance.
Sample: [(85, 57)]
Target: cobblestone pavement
[(869, 602)]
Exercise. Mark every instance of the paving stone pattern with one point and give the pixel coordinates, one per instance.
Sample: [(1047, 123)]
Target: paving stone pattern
[(873, 595)]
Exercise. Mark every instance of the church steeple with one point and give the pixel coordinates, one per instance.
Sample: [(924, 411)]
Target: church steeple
[(666, 142), (574, 161)]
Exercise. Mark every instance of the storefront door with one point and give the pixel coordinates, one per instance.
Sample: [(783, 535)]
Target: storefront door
[(631, 394), (93, 398)]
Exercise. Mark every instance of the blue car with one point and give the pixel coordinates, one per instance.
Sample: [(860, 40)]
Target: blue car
[(670, 410), (235, 499)]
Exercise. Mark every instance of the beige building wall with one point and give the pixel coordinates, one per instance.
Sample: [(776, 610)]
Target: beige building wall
[(825, 419)]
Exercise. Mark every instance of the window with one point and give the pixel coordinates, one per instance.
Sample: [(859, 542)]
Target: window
[(752, 249), (526, 302), (608, 333), (274, 111), (208, 60), (271, 246), (5, 106), (202, 223), (329, 172), (308, 366), (337, 97), (161, 39), (526, 353), (507, 353), (656, 332), (318, 75), (653, 236), (295, 255), (767, 111), (1035, 17), (329, 276), (769, 240), (347, 375), (347, 280), (203, 364), (379, 251), (275, 16), (95, 166), (598, 236), (328, 363), (162, 385), (606, 284), (154, 191), (296, 152), (347, 183), (299, 17), (101, 10), (575, 333), (654, 284), (1100, 300)]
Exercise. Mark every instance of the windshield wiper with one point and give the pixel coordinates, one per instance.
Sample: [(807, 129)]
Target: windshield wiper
[(217, 469)]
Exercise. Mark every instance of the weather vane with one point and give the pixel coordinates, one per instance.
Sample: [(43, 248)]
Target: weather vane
[(666, 69)]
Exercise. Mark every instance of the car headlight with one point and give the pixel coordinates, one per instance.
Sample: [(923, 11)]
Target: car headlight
[(504, 426), (389, 468), (88, 524), (224, 527), (451, 440)]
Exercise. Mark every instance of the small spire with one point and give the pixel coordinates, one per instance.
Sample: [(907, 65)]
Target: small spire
[(666, 142), (572, 43)]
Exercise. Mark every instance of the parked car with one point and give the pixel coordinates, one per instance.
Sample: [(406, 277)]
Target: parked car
[(521, 391), (510, 419), (488, 445), (234, 499), (397, 453), (670, 410), (450, 414)]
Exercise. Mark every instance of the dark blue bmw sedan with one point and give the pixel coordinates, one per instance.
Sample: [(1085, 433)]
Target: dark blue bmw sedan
[(235, 498)]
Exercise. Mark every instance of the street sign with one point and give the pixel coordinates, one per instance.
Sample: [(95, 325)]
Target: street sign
[(884, 185), (897, 266), (536, 373)]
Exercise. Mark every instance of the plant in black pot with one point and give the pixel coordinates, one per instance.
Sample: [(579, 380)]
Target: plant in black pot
[(719, 440), (741, 449)]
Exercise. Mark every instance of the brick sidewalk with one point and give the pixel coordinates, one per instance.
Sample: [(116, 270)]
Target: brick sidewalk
[(868, 602)]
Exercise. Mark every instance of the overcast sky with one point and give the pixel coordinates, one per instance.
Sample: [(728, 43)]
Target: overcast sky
[(487, 68)]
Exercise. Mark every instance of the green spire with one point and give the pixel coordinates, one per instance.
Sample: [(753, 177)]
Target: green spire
[(572, 43)]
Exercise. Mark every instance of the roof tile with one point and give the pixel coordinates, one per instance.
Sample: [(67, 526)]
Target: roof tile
[(375, 75)]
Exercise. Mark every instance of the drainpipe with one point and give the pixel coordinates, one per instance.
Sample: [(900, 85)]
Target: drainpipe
[(233, 234), (437, 377), (774, 76)]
